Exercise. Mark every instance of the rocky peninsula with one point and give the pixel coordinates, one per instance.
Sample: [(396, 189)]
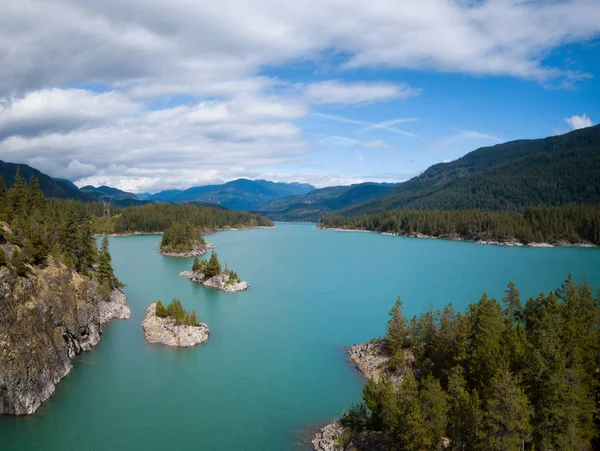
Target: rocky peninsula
[(168, 331), (46, 319), (372, 360)]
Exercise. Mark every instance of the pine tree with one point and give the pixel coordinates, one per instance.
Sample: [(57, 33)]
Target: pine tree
[(214, 267), (434, 408), (464, 414), (512, 301), (196, 266), (506, 419), (106, 274), (18, 263)]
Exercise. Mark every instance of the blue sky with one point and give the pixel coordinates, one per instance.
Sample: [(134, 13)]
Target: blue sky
[(154, 95)]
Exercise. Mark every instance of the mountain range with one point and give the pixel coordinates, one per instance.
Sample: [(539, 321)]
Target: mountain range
[(553, 171)]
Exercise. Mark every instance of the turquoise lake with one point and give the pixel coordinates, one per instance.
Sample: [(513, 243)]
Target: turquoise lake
[(275, 364)]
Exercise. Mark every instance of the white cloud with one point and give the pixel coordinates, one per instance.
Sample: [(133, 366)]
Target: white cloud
[(339, 93), (375, 144), (201, 66), (577, 122)]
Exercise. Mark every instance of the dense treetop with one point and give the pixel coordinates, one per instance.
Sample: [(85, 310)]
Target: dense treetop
[(501, 376), (176, 312), (39, 228), (570, 223), (159, 217), (180, 238)]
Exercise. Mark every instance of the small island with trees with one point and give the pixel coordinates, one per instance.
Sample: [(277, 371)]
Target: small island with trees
[(172, 325), (182, 240), (210, 274)]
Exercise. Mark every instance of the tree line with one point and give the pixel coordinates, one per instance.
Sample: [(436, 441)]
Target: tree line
[(159, 217), (570, 223), (502, 376), (176, 312), (38, 228), (181, 237)]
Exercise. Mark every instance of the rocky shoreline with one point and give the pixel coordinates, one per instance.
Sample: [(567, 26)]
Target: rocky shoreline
[(197, 250), (45, 321), (510, 243), (372, 361), (164, 331), (221, 281)]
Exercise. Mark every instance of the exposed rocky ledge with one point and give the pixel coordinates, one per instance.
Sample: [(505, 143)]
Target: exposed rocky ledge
[(46, 319), (116, 308), (220, 281), (369, 358), (197, 250), (165, 331), (372, 361)]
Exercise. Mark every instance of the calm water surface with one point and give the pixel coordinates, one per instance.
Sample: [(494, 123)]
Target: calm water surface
[(275, 363)]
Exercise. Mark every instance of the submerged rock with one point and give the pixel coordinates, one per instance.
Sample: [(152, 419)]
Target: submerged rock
[(221, 281), (46, 319), (165, 331)]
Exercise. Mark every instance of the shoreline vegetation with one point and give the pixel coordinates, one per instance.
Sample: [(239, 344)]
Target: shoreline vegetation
[(481, 380), (171, 325), (572, 225), (210, 274), (182, 240), (57, 289)]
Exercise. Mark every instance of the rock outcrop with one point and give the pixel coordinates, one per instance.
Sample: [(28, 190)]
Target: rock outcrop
[(221, 281), (165, 331), (115, 308), (328, 438), (46, 319), (372, 360), (197, 250)]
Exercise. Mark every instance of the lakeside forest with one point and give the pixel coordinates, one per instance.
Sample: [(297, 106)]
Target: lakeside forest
[(504, 375), (37, 228), (567, 224)]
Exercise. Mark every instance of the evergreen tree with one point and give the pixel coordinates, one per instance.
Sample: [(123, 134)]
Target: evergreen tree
[(214, 267), (196, 266), (106, 276), (409, 431), (3, 259), (18, 263), (434, 408), (506, 418), (464, 414)]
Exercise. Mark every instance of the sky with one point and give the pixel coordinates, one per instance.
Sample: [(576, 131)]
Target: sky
[(146, 95)]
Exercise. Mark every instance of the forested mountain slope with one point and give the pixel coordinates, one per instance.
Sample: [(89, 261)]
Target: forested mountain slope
[(49, 186), (553, 171), (311, 206)]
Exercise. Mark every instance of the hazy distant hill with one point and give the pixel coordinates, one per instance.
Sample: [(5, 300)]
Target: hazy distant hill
[(311, 206), (552, 171), (50, 187), (241, 194)]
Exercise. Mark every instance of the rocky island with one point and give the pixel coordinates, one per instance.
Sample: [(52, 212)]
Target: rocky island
[(182, 240), (210, 274), (173, 326)]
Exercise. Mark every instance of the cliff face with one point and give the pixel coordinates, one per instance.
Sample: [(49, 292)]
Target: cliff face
[(45, 320)]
